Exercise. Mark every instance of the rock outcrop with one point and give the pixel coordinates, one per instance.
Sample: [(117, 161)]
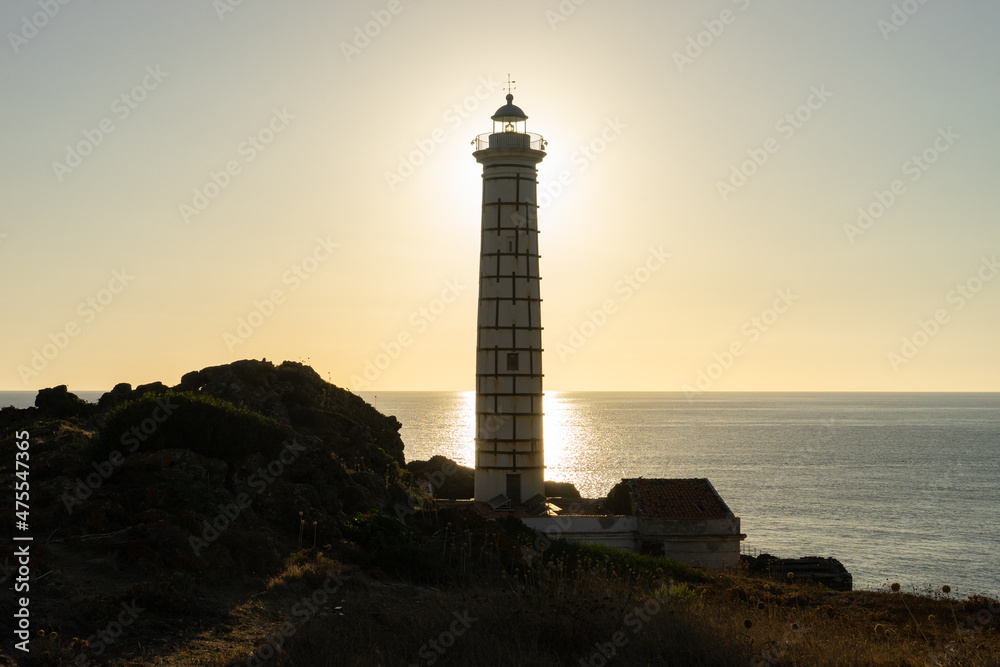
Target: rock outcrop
[(210, 472), (827, 571), (58, 402), (292, 394)]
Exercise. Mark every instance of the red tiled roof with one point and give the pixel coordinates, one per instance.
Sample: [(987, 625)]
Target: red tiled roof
[(676, 499)]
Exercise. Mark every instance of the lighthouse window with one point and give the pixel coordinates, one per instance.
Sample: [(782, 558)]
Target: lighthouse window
[(510, 246), (512, 358)]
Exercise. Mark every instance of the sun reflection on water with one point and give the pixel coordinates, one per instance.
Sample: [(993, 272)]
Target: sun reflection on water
[(555, 434), (555, 429), (576, 442), (564, 432), (468, 426), (573, 446)]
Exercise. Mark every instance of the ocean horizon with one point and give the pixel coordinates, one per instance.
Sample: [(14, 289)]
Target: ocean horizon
[(25, 398), (900, 487)]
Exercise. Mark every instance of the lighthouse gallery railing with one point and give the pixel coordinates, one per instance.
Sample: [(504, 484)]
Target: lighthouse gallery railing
[(509, 140)]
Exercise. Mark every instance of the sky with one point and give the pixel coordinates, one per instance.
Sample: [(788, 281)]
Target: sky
[(738, 195)]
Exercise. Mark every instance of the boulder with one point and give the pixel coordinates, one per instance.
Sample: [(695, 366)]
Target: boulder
[(445, 478), (827, 571), (60, 403), (151, 388), (121, 393)]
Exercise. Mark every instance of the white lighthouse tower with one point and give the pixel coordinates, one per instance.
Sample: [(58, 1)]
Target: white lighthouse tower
[(510, 465)]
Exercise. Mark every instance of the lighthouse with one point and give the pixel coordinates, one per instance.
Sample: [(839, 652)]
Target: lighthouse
[(510, 462)]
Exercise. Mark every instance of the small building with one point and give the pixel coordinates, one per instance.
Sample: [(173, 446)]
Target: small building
[(683, 519)]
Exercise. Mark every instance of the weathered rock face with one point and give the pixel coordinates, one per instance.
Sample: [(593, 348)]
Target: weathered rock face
[(561, 490), (446, 478), (151, 388), (206, 474), (119, 394), (294, 394), (58, 402), (827, 571)]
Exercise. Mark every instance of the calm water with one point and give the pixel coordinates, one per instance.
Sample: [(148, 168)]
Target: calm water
[(899, 487)]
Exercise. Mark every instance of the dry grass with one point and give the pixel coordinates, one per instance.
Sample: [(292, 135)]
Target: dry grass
[(553, 617), (318, 611)]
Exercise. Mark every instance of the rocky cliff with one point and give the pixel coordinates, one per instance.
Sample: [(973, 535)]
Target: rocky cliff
[(207, 474)]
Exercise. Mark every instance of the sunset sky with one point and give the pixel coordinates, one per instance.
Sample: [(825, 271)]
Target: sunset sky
[(738, 195)]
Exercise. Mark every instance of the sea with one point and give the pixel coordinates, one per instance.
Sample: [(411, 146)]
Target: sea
[(899, 487)]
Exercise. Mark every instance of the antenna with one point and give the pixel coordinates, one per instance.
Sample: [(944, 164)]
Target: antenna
[(510, 85)]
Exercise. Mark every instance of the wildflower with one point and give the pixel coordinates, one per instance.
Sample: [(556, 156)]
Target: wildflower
[(879, 629), (748, 624), (790, 575), (946, 589), (895, 587)]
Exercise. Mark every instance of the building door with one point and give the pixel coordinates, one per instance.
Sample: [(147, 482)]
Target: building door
[(514, 489)]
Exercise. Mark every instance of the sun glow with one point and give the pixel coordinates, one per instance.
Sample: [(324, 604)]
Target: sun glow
[(468, 427), (555, 434)]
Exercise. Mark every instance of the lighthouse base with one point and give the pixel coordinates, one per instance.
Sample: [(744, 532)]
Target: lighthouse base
[(516, 485)]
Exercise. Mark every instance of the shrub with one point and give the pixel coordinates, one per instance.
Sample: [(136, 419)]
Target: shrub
[(376, 530), (393, 547), (203, 424), (577, 554)]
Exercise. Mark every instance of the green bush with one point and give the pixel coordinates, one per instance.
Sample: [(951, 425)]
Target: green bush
[(393, 547), (203, 424), (578, 554), (376, 530), (680, 593)]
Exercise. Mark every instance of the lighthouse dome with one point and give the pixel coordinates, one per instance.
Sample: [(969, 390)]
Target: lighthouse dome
[(509, 112)]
